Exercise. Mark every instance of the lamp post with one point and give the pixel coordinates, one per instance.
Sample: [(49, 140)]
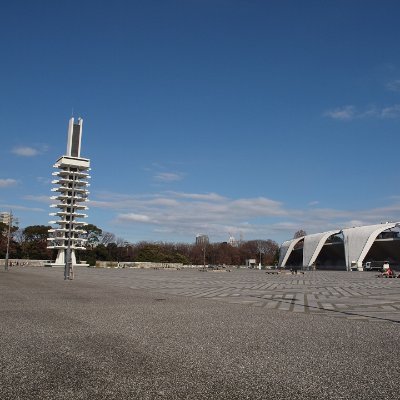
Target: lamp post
[(10, 223), (8, 241), (261, 251)]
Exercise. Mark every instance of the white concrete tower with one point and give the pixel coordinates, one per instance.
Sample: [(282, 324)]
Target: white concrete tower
[(72, 175)]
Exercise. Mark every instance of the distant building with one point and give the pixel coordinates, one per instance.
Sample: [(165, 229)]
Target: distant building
[(5, 218), (232, 241), (202, 239), (251, 262)]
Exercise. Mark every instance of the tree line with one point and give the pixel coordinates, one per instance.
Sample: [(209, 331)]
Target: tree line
[(31, 243)]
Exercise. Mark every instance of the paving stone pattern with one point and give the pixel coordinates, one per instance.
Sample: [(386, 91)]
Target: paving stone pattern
[(351, 295)]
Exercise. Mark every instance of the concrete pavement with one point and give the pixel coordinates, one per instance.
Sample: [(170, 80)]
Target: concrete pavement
[(137, 334)]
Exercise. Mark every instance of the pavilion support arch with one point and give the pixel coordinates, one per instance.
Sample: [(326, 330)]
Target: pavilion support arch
[(313, 245), (286, 249), (358, 241)]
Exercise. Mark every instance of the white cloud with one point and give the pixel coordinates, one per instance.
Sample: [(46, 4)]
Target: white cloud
[(170, 214), (30, 151), (25, 151), (188, 213), (349, 113), (260, 206), (39, 199), (162, 201), (394, 86), (20, 208), (134, 218), (343, 113), (168, 177), (391, 112), (7, 182), (43, 181), (198, 196)]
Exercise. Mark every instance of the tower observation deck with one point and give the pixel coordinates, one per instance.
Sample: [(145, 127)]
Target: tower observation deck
[(71, 182)]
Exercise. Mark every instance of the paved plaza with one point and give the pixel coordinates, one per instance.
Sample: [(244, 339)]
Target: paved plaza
[(352, 295), (186, 334)]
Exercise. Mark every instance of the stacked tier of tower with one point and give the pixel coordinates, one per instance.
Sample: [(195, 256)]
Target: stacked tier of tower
[(72, 195)]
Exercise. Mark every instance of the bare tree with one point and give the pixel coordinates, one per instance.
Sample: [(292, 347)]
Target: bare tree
[(120, 242), (299, 233), (107, 237), (270, 250), (19, 236)]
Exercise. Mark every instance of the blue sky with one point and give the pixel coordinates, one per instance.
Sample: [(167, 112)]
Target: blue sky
[(250, 118)]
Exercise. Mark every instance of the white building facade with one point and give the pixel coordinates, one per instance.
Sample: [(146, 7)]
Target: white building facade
[(5, 218)]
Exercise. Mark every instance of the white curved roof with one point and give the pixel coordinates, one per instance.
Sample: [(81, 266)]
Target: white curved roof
[(283, 250), (286, 249), (358, 241), (313, 245)]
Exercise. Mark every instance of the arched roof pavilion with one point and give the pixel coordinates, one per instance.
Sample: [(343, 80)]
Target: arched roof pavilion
[(357, 243)]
